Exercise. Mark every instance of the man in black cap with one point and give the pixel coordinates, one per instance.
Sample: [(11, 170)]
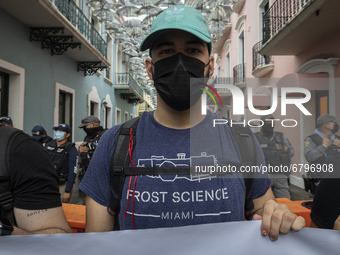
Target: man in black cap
[(94, 131), (277, 151), (64, 156), (39, 133), (6, 121), (322, 148)]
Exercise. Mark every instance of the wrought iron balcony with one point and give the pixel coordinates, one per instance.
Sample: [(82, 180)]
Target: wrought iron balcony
[(222, 80), (278, 15), (78, 19), (258, 59), (239, 74), (128, 86)]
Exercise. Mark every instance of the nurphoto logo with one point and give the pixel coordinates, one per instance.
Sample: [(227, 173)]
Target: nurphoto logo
[(238, 103)]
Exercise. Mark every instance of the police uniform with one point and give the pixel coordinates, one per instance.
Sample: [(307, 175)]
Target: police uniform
[(275, 155), (65, 160), (59, 156), (37, 133), (318, 154), (85, 157)]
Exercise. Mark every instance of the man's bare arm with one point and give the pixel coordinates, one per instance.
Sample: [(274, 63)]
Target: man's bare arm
[(45, 221), (97, 217)]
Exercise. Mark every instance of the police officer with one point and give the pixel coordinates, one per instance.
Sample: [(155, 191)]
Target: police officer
[(64, 156), (322, 148), (39, 133), (6, 121), (277, 151), (94, 131)]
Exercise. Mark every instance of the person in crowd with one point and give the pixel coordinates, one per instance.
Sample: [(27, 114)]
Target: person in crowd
[(6, 121), (180, 45), (39, 133), (277, 151), (326, 203), (94, 131), (29, 194), (322, 148), (64, 156)]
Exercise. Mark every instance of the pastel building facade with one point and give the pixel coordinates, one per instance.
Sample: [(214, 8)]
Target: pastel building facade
[(288, 45), (59, 65)]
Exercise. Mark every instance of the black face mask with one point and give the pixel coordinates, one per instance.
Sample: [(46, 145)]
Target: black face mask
[(267, 129), (336, 128), (92, 132), (172, 80)]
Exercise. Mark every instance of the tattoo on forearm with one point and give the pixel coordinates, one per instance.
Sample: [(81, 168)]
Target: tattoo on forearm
[(36, 212)]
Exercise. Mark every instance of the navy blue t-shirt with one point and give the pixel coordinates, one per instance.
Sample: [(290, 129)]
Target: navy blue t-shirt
[(175, 200)]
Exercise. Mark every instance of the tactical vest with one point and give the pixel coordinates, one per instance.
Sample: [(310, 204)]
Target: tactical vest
[(59, 156), (92, 144), (274, 149), (332, 154)]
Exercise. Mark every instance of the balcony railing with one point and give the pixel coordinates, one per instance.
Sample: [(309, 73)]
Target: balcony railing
[(278, 15), (239, 74), (78, 19), (222, 80), (259, 60), (126, 79)]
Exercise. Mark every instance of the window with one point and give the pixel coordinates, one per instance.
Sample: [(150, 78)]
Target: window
[(95, 22), (227, 65), (131, 116), (93, 103), (92, 107), (119, 59), (64, 106), (107, 116), (241, 48), (107, 112), (109, 41), (15, 82), (118, 116), (322, 103), (126, 116), (263, 8), (4, 87)]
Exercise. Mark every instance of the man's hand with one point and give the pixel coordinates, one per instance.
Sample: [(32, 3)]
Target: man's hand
[(337, 224), (66, 197), (336, 142), (83, 148), (277, 218), (326, 142)]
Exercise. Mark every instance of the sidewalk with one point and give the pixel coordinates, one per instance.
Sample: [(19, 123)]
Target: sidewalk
[(78, 197)]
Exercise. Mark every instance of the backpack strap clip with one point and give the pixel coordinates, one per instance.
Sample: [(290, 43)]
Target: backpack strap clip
[(118, 170)]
